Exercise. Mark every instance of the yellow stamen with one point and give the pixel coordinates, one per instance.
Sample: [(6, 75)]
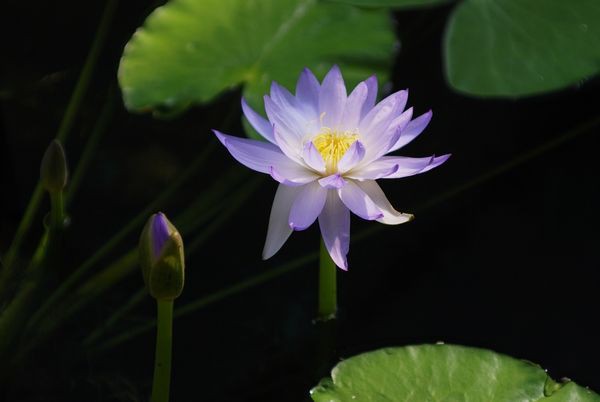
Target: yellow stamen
[(332, 145)]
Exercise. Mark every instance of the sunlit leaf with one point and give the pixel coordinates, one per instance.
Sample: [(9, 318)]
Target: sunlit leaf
[(189, 51), (521, 47), (443, 373), (393, 3)]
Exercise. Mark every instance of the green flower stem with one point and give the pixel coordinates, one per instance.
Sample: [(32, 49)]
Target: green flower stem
[(39, 326), (14, 318), (299, 262), (57, 211), (64, 129), (162, 357), (117, 239), (327, 286)]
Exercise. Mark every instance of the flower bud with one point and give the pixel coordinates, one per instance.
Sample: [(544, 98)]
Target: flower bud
[(53, 171), (161, 258)]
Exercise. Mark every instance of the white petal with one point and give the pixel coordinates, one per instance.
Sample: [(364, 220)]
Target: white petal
[(354, 105), (292, 174), (334, 223), (352, 157), (307, 206), (290, 145), (334, 181), (279, 230), (307, 93), (372, 171), (359, 202), (332, 98), (313, 158), (390, 215), (284, 120)]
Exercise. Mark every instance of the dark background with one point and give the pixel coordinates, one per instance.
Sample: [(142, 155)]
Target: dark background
[(508, 262)]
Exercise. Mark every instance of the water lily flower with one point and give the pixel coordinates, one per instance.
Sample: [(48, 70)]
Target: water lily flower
[(327, 149)]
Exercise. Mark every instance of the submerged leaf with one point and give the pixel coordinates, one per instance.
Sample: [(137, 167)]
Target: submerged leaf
[(443, 373), (189, 51)]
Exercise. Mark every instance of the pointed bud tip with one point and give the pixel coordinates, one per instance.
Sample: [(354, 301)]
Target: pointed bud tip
[(53, 169), (160, 233), (161, 258)]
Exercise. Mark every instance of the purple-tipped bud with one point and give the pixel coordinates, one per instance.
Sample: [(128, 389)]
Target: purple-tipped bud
[(53, 171), (161, 258)]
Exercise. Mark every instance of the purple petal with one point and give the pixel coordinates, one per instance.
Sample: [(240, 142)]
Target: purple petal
[(334, 181), (260, 124), (284, 119), (313, 158), (334, 222), (374, 127), (292, 175), (290, 145), (359, 202), (390, 215), (307, 92), (373, 171), (332, 97), (371, 83), (412, 130), (352, 157), (288, 104), (160, 233), (257, 155), (383, 144), (307, 206), (409, 166), (354, 104), (279, 230), (402, 121)]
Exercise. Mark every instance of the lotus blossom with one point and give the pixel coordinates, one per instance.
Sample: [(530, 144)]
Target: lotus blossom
[(327, 149)]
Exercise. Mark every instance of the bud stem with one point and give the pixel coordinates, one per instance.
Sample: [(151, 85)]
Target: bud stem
[(57, 210), (327, 286), (162, 358)]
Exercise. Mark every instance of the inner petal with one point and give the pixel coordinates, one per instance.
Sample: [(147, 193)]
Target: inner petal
[(332, 145)]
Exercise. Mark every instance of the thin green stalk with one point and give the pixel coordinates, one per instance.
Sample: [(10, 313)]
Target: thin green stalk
[(63, 131), (327, 286), (162, 357), (57, 211), (91, 144), (301, 261), (117, 239), (14, 318), (38, 328)]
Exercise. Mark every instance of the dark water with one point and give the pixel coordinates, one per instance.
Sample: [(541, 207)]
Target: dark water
[(509, 263)]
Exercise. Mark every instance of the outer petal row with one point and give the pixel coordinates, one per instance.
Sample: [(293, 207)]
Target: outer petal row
[(295, 206), (260, 124), (334, 223)]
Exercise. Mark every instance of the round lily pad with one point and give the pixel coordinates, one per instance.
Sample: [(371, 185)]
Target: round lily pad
[(443, 373)]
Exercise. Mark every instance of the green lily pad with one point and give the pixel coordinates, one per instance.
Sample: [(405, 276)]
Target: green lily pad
[(443, 373), (400, 4), (189, 51), (512, 48)]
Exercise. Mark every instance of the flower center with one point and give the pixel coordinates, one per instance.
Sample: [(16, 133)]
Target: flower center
[(332, 145)]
